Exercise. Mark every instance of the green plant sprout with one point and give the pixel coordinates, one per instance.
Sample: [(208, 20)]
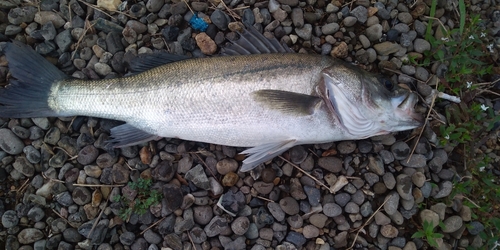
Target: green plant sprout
[(428, 233), (145, 198)]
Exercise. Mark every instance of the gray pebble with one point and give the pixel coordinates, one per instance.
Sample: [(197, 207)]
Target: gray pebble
[(35, 133), (127, 238), (392, 205), (297, 17), (43, 122), (87, 155), (366, 209), (342, 199), (332, 164), (400, 150), (475, 227), (313, 195), (32, 154), (452, 224), (220, 19), (198, 177), (10, 219), (24, 166), (36, 214), (420, 45), (71, 235), (329, 28), (52, 136), (332, 210), (352, 208), (296, 238), (64, 40), (445, 189), (11, 30), (9, 142), (361, 13), (304, 32), (374, 32), (29, 235), (404, 186), (216, 226), (376, 165), (289, 205), (295, 221), (297, 154), (26, 14), (416, 161), (240, 225), (276, 211), (152, 238), (81, 196)]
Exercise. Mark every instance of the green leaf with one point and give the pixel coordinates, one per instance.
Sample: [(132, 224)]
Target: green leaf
[(418, 234), (463, 14)]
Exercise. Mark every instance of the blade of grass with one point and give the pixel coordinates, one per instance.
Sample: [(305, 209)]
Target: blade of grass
[(432, 14), (463, 14)]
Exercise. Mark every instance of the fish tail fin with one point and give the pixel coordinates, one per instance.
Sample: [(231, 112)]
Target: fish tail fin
[(27, 95)]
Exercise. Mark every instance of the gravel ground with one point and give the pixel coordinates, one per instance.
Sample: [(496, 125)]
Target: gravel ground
[(59, 183)]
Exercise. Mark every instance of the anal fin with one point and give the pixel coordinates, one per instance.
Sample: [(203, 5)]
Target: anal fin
[(265, 152), (128, 135)]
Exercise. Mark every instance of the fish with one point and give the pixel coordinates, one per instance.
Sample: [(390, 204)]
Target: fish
[(258, 95)]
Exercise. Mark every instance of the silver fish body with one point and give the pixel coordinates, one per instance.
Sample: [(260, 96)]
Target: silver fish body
[(270, 102)]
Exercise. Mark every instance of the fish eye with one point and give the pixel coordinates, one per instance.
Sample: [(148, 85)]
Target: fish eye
[(387, 83)]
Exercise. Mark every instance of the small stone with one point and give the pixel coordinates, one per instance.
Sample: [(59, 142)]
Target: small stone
[(332, 164), (475, 227), (313, 195), (352, 208), (445, 189), (386, 48), (262, 187), (420, 45), (429, 216), (289, 205), (230, 179), (400, 150), (216, 226), (110, 5), (340, 51), (220, 19), (81, 196), (24, 166), (202, 214), (310, 232), (418, 178), (391, 206), (452, 224), (87, 155), (36, 214), (127, 238), (332, 210), (198, 177), (226, 165), (43, 17), (361, 13), (330, 28), (296, 238), (120, 174), (415, 161), (389, 231), (29, 235), (305, 32), (374, 32), (240, 225), (404, 186), (206, 44), (152, 238), (10, 219), (9, 142), (276, 211)]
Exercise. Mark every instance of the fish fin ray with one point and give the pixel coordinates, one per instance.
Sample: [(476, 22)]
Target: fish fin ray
[(127, 135), (251, 41), (265, 152), (27, 95), (144, 62), (287, 102)]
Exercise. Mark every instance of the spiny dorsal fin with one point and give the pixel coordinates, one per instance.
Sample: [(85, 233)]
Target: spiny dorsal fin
[(287, 102), (251, 41), (144, 62)]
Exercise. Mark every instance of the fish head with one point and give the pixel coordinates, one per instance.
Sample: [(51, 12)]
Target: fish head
[(366, 104)]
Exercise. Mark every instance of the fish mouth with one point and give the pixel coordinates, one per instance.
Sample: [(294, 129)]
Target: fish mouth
[(407, 106)]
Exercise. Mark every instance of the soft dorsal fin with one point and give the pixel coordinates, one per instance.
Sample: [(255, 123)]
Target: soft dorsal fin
[(251, 42), (144, 62), (287, 102)]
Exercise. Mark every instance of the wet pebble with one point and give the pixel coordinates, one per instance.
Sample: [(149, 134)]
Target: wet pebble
[(9, 142)]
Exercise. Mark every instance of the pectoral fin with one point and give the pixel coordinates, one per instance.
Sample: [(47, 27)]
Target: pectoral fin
[(128, 135), (265, 152), (287, 102)]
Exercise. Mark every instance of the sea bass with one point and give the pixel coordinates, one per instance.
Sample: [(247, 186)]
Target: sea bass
[(259, 97)]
